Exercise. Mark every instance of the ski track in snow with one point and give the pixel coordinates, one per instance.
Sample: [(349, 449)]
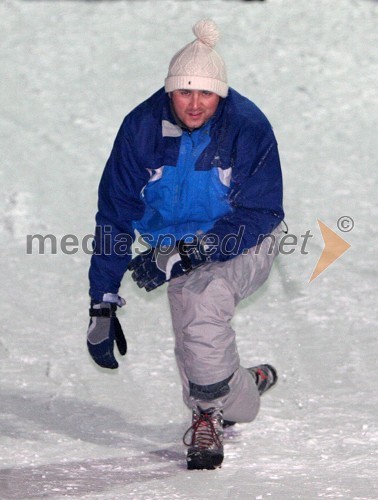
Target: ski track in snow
[(70, 72)]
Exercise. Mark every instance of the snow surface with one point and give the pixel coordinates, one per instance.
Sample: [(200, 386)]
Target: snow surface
[(70, 72)]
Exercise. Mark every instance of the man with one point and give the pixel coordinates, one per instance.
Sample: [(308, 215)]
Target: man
[(195, 170)]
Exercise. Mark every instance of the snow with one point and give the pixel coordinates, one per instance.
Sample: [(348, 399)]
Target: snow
[(70, 72)]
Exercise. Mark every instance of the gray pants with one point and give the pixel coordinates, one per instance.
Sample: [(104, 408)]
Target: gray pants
[(202, 305)]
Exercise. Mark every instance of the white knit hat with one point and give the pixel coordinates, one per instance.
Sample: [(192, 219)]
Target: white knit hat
[(198, 66)]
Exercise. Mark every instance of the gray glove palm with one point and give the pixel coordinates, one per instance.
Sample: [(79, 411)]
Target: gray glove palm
[(105, 329)]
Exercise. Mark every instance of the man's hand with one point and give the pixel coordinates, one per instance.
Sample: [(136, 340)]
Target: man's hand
[(105, 329), (153, 268)]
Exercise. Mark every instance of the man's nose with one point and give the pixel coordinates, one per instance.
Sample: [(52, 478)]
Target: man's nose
[(195, 100)]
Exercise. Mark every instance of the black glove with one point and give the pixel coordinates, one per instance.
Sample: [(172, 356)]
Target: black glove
[(153, 268), (104, 328)]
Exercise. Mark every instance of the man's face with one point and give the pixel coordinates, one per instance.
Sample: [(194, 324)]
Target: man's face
[(194, 107)]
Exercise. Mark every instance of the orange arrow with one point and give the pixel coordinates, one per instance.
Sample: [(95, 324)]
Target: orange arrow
[(334, 247)]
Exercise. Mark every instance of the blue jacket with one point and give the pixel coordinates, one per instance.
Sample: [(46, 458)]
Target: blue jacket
[(222, 179)]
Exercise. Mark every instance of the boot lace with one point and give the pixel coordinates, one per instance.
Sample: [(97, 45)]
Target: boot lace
[(204, 434)]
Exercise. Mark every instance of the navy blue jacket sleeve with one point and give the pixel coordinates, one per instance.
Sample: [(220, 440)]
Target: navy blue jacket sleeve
[(119, 204), (256, 194)]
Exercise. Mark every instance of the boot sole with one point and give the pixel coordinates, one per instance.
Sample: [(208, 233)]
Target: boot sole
[(199, 460)]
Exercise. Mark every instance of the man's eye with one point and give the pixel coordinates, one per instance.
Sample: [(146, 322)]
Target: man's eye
[(207, 92)]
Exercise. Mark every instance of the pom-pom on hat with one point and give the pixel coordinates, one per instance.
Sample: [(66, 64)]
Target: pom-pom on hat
[(198, 66)]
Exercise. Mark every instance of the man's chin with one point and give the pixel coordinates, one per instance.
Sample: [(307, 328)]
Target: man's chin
[(193, 124)]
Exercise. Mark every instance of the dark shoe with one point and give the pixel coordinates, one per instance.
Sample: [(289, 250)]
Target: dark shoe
[(265, 377), (228, 423), (206, 442)]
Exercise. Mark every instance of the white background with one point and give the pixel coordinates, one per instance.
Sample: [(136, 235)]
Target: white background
[(70, 71)]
